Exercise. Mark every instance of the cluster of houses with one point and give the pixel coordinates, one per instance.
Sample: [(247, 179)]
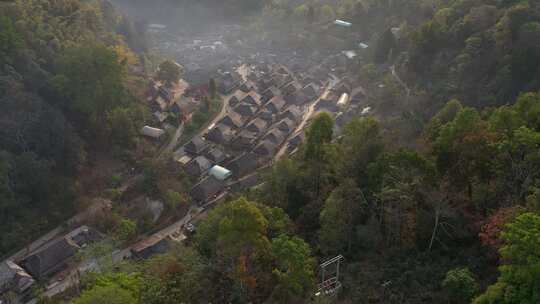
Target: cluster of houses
[(265, 107), (18, 276), (264, 110), (171, 105)]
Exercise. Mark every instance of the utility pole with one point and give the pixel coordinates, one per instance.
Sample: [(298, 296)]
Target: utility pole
[(330, 284)]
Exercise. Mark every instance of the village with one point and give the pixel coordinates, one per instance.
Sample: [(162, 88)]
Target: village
[(266, 105)]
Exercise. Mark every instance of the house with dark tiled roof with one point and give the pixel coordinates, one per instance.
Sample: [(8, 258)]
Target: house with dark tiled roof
[(293, 113), (220, 134), (216, 156), (252, 98), (156, 244), (184, 107), (247, 86), (244, 139), (165, 93), (342, 87), (270, 93), (246, 110), (296, 140), (235, 99), (228, 82), (275, 135), (244, 164), (286, 125), (329, 104), (206, 190), (358, 95), (291, 87), (196, 145), (233, 120), (265, 148), (54, 256), (297, 98), (14, 278), (275, 105), (265, 83), (267, 116), (311, 90), (198, 166), (279, 80), (257, 125)]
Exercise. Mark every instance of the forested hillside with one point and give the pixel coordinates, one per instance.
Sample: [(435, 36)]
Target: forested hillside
[(483, 52), (63, 71), (431, 195)]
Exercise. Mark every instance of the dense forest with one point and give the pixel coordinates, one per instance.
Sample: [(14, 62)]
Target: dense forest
[(63, 93), (435, 199)]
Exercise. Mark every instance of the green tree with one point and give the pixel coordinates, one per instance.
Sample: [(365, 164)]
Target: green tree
[(460, 285), (401, 181), (169, 72), (175, 200), (360, 145), (111, 288), (106, 295), (180, 275), (318, 151), (519, 279), (444, 116), (10, 40), (385, 44), (294, 270), (465, 150), (341, 212), (212, 88), (127, 230), (235, 235), (90, 80), (327, 13), (318, 135)]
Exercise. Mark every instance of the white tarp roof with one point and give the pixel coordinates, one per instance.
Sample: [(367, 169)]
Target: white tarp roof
[(220, 173), (342, 23), (152, 132), (343, 100)]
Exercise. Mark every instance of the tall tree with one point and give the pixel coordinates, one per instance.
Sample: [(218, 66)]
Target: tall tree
[(519, 281), (341, 213), (169, 72), (294, 270), (90, 80)]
